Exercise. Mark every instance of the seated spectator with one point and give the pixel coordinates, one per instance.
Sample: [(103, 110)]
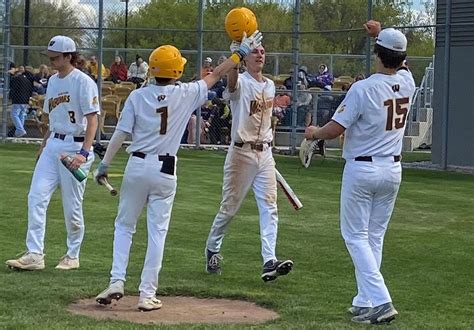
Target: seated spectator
[(93, 68), (218, 118), (207, 67), (40, 80), (118, 70), (21, 89), (81, 64), (360, 76), (281, 104), (138, 70), (302, 77), (324, 79)]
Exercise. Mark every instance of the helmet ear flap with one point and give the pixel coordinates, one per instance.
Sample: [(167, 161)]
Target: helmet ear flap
[(166, 62), (238, 21)]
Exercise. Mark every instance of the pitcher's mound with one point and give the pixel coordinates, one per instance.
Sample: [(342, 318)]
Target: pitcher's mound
[(177, 310)]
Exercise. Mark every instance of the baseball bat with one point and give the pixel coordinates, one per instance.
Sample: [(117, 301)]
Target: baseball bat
[(103, 181), (290, 194)]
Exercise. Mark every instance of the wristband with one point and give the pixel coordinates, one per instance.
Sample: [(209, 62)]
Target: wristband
[(84, 153), (236, 58)]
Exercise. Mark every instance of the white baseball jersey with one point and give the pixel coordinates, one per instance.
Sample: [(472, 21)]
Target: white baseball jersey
[(251, 105), (157, 116), (68, 100), (374, 113)]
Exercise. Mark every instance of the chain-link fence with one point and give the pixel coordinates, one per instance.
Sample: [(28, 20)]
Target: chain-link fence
[(302, 46)]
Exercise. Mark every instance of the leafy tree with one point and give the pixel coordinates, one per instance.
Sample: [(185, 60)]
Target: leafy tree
[(42, 14)]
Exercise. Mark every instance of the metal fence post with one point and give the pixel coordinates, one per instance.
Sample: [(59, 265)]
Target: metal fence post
[(200, 28), (6, 63), (100, 38), (368, 51), (296, 51)]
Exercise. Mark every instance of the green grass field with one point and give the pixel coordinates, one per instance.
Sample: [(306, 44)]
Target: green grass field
[(428, 263)]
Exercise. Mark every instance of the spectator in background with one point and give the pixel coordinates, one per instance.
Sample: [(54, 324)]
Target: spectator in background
[(138, 70), (29, 73), (207, 67), (81, 64), (218, 119), (220, 86), (360, 76), (192, 126), (324, 79), (118, 70), (40, 80), (302, 77), (20, 69), (93, 68), (21, 89), (281, 102)]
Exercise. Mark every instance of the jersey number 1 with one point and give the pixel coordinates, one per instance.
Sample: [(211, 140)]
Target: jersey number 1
[(164, 119), (396, 109)]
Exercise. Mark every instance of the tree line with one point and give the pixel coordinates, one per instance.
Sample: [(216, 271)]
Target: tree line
[(327, 27)]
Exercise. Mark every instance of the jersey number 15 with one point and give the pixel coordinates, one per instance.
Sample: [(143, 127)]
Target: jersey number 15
[(397, 110)]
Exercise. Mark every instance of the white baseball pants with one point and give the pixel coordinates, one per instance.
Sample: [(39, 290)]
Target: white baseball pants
[(50, 173), (368, 194), (143, 184), (245, 168)]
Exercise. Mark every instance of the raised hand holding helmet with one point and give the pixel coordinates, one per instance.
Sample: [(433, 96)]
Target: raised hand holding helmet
[(248, 44)]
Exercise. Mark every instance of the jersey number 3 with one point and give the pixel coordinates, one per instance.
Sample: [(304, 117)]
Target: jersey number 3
[(397, 110), (164, 119)]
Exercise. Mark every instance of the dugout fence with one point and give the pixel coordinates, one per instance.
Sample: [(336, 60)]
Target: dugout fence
[(126, 28)]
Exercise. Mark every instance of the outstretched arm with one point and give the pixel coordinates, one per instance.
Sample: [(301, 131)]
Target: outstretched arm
[(246, 46)]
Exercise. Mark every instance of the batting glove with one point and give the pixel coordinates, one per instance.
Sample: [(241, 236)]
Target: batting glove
[(234, 46), (249, 43), (101, 171)]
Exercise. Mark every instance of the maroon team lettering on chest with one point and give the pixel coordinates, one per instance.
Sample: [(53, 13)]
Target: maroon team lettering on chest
[(55, 101), (259, 105)]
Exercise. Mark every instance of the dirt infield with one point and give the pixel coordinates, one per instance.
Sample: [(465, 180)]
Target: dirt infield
[(177, 310)]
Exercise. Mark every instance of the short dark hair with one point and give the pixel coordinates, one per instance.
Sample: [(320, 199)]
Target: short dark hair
[(73, 59), (163, 81), (390, 59)]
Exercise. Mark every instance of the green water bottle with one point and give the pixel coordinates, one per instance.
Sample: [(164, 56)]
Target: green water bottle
[(79, 174)]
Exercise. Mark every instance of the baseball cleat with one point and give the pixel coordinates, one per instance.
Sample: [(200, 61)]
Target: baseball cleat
[(213, 261), (28, 261), (381, 314), (274, 268), (356, 310), (67, 263), (114, 291), (149, 304)]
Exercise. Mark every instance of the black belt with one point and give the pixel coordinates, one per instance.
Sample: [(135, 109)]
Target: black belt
[(369, 158), (168, 161), (138, 154), (63, 136), (253, 146)]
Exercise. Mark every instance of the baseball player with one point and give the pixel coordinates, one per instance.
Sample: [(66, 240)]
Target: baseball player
[(72, 104), (373, 116), (156, 117), (249, 163)]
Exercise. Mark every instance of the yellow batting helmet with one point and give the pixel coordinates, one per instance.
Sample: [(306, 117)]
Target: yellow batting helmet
[(238, 21), (166, 62)]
